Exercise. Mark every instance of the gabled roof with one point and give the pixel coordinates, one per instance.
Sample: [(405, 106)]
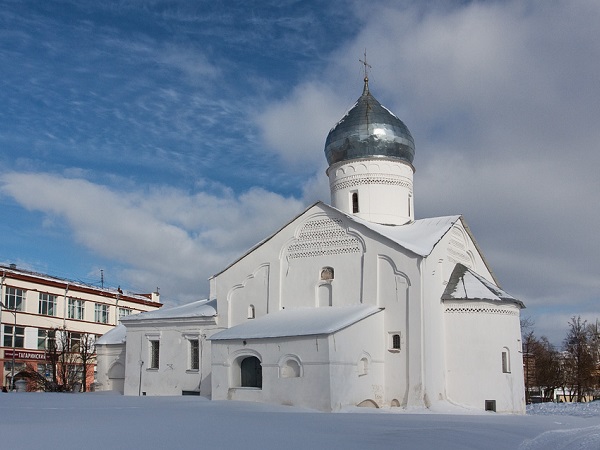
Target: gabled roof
[(464, 284), (298, 322), (199, 308), (419, 237)]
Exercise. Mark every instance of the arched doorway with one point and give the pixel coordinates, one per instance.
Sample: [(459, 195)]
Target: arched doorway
[(251, 372)]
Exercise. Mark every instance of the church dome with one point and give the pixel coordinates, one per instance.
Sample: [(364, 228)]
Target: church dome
[(369, 130)]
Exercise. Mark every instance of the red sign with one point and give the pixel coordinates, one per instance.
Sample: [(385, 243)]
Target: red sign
[(23, 354)]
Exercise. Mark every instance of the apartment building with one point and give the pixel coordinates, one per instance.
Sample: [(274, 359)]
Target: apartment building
[(41, 313)]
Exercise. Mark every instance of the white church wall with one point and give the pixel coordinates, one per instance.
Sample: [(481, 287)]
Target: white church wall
[(321, 241), (382, 189), (456, 246), (173, 374), (110, 367), (357, 372), (393, 292), (286, 270), (310, 388), (319, 372), (477, 333)]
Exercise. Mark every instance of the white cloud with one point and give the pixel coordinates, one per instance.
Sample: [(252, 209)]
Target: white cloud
[(295, 128), (164, 237)]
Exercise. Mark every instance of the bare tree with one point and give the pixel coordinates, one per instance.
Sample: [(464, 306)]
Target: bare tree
[(87, 356), (579, 361), (548, 371)]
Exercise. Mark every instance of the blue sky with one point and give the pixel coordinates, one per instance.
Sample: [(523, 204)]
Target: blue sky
[(158, 140)]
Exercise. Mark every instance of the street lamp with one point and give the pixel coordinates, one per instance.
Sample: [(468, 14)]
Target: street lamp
[(14, 335)]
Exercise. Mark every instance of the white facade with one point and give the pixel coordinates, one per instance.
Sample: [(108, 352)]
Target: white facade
[(355, 304), (376, 190), (39, 304)]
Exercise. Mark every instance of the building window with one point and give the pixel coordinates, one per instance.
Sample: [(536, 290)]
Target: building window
[(14, 298), (124, 312), (100, 313), (355, 202), (14, 336), (251, 312), (74, 341), (251, 372), (194, 354), (154, 354), (327, 273), (290, 368), (394, 341), (42, 339), (46, 339), (505, 360), (75, 309), (47, 304), (363, 366)]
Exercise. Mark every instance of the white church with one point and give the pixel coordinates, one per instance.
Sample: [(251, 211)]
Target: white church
[(353, 304)]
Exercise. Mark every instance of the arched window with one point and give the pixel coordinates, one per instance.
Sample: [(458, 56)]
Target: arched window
[(327, 273), (290, 369), (396, 341), (355, 202), (363, 366), (505, 360), (251, 372), (251, 312)]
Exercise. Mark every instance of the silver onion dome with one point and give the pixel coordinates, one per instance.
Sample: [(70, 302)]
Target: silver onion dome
[(369, 130)]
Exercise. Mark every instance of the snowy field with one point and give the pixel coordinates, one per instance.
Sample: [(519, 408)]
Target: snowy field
[(108, 421)]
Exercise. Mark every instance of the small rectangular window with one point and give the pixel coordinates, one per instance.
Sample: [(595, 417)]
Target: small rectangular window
[(154, 354), (194, 354), (490, 405)]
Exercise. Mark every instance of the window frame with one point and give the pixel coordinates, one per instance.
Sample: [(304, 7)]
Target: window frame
[(394, 337), (101, 312), (75, 308), (505, 360), (153, 354), (194, 354), (47, 304), (15, 300), (123, 312), (16, 334)]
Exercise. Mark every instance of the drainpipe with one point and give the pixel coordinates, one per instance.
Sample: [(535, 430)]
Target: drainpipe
[(65, 307)]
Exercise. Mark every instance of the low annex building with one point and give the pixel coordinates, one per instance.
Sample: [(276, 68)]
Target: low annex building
[(356, 303)]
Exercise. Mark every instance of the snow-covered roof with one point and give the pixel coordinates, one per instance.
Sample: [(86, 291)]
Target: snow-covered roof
[(419, 237), (298, 322), (464, 284), (115, 336), (199, 308)]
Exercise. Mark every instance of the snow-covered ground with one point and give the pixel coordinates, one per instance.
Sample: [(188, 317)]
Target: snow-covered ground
[(108, 421)]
